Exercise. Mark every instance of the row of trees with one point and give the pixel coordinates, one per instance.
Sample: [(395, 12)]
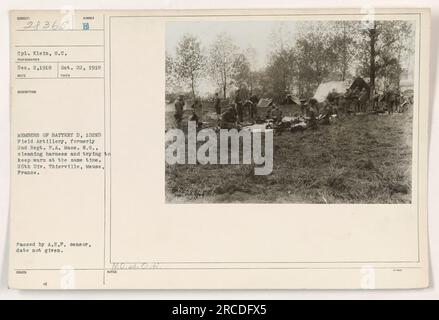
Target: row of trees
[(299, 62), (339, 50), (224, 63)]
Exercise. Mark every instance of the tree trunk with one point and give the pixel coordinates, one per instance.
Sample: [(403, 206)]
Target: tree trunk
[(225, 86), (372, 71), (193, 89), (399, 70), (345, 54)]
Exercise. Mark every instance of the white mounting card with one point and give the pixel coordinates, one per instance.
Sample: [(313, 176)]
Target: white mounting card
[(225, 149)]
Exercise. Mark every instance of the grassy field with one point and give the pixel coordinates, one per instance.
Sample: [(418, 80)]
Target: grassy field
[(357, 159)]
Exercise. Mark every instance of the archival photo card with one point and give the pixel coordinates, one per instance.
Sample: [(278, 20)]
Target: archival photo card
[(219, 149)]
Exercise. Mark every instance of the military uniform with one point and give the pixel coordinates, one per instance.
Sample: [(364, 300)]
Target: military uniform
[(238, 106), (312, 115), (228, 119), (355, 100), (178, 115), (253, 107), (363, 100), (217, 104), (390, 101), (276, 115)]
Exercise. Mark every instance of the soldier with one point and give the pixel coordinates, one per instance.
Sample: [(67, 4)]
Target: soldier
[(194, 117), (238, 105), (178, 115), (343, 103), (217, 104), (332, 97), (390, 99), (254, 100), (276, 114), (377, 101), (302, 105), (228, 119), (312, 114), (355, 100), (398, 101), (362, 99)]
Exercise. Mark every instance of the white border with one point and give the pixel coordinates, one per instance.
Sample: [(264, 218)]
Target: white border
[(5, 5)]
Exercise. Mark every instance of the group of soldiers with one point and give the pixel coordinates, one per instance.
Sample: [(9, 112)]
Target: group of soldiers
[(357, 100), (241, 107), (353, 101), (179, 111), (233, 114), (394, 100)]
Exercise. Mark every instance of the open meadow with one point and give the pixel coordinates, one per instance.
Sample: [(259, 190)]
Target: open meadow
[(357, 159)]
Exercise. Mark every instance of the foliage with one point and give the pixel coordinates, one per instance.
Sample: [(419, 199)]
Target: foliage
[(318, 51), (189, 63), (222, 56)]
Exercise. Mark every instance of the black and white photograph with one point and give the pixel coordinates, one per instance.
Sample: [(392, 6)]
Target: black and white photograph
[(331, 100), (239, 151)]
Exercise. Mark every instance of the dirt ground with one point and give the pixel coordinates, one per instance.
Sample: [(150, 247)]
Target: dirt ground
[(357, 159)]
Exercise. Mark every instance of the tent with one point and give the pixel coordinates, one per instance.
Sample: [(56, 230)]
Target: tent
[(360, 83), (292, 99), (326, 88)]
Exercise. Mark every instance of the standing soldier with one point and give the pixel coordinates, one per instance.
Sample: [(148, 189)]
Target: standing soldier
[(217, 104), (343, 103), (312, 114), (178, 115), (238, 105), (390, 100), (398, 101), (377, 97), (355, 99), (362, 99), (253, 107), (303, 105)]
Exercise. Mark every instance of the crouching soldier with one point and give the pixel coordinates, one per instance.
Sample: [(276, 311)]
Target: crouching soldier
[(194, 117), (228, 119), (276, 114)]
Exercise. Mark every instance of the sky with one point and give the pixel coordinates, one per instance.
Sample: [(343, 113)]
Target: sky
[(245, 34)]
